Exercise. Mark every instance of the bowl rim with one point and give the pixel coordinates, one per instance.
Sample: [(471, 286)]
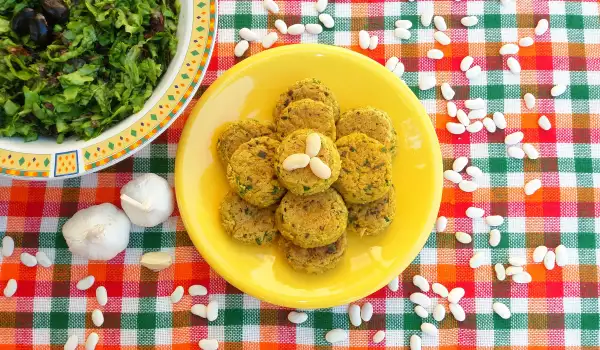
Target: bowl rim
[(322, 302)]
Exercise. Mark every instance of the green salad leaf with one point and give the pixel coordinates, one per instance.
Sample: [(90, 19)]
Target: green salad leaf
[(100, 66)]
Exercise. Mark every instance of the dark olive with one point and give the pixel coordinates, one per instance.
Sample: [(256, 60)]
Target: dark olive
[(20, 23), (157, 22), (56, 11), (39, 32)]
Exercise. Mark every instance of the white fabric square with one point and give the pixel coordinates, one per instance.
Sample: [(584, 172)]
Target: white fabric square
[(567, 179)]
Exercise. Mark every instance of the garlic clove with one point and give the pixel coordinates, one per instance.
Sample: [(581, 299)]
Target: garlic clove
[(156, 261), (147, 200)]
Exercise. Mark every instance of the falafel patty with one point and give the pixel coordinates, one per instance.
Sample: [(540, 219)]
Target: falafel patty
[(370, 121), (303, 181), (246, 222), (314, 260), (372, 218), (366, 173), (312, 221), (251, 172), (237, 133), (306, 114), (310, 88)]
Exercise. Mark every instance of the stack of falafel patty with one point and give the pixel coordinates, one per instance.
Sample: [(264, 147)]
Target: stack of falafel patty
[(312, 214)]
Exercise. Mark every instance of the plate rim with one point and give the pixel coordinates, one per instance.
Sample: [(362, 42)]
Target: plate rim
[(322, 302)]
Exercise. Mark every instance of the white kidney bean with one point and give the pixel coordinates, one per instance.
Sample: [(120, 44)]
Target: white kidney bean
[(399, 70), (297, 29), (313, 145), (539, 253), (198, 310), (92, 341), (391, 63), (197, 290), (282, 27), (421, 283), (532, 186), (71, 343), (514, 138), (477, 103), (501, 309), (440, 23), (489, 124), (474, 212), (526, 41), (458, 312), (455, 128), (394, 284), (469, 21), (441, 223), (366, 312), (43, 259), (513, 65), (558, 90), (495, 237), (439, 312), (452, 176), (459, 164), (463, 118), (321, 5), (373, 41), (499, 120), (500, 272), (296, 161), (364, 39), (447, 91), (241, 48), (327, 20), (402, 33), (313, 28), (297, 317), (426, 82), (101, 296), (562, 255), (516, 152), (11, 288), (455, 295), (473, 72), (208, 344), (420, 299), (466, 63), (320, 169), (463, 237), (28, 260), (544, 123), (8, 246), (513, 270), (177, 295), (530, 151), (86, 283), (442, 38), (550, 260), (542, 26), (477, 114), (509, 49), (354, 315), (429, 329), (474, 127), (336, 336), (271, 6), (269, 39), (427, 16), (517, 261), (247, 34), (494, 220), (467, 186), (403, 23), (378, 337), (435, 54), (451, 108), (421, 312), (415, 342), (212, 311), (529, 100), (440, 290), (523, 277), (97, 318), (476, 260)]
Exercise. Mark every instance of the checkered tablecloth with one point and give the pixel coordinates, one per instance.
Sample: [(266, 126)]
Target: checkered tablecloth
[(558, 310)]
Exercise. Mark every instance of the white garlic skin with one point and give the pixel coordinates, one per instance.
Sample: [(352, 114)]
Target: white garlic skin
[(153, 190), (99, 232)]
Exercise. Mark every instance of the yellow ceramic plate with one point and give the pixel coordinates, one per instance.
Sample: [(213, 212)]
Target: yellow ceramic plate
[(250, 90)]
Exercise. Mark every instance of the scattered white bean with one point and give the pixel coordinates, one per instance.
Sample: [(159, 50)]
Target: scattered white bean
[(474, 212), (421, 312), (509, 49), (476, 260), (477, 114), (8, 246), (415, 342), (297, 317), (296, 161), (208, 344), (466, 63), (550, 260), (421, 283), (451, 108), (271, 6), (494, 220), (320, 169), (247, 34), (420, 299), (469, 21), (394, 284), (513, 65), (467, 186), (532, 186), (86, 283), (442, 38), (455, 128), (198, 310), (399, 70), (452, 176), (440, 290), (92, 341), (198, 290), (495, 237), (354, 315), (523, 277), (177, 295), (327, 20), (97, 318), (500, 272), (314, 28), (101, 296), (282, 27), (455, 295), (440, 226), (212, 311), (439, 312), (526, 41), (11, 288), (489, 124), (459, 164), (542, 26), (458, 312), (366, 312), (297, 29), (514, 138), (391, 63), (378, 337), (474, 127), (429, 329), (321, 5), (517, 261), (477, 103), (558, 90), (427, 16), (499, 120), (516, 152), (402, 33), (71, 343), (544, 123), (473, 72), (447, 91), (43, 259), (463, 237), (513, 270), (403, 23), (241, 48), (313, 145), (336, 336), (364, 39), (440, 23), (269, 39), (539, 253), (373, 41), (529, 100), (531, 151), (463, 118), (28, 260), (501, 309), (426, 82)]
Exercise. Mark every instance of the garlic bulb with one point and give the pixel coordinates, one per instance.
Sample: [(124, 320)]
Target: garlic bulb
[(99, 232), (147, 200)]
